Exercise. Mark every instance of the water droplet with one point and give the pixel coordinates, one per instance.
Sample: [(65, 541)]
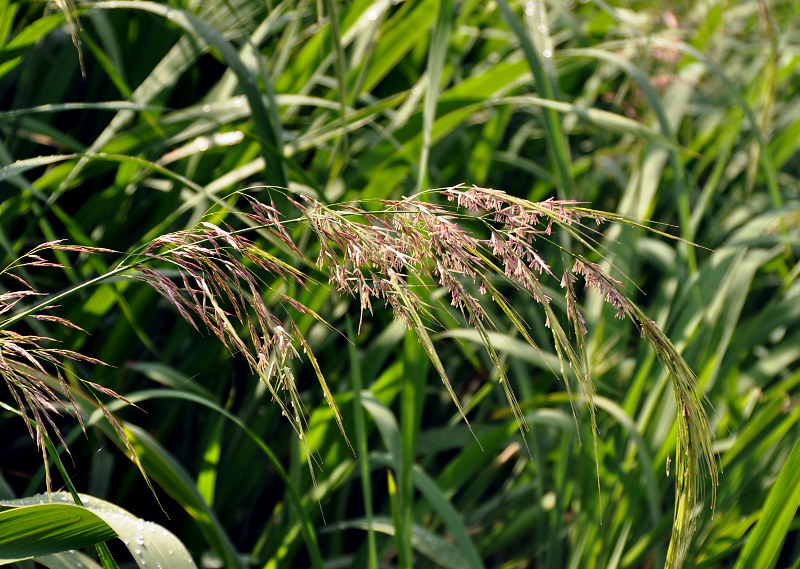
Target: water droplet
[(139, 540), (228, 138), (530, 9), (372, 15), (542, 29), (112, 4), (137, 551), (170, 14), (171, 552), (547, 53), (164, 532), (158, 565), (202, 143)]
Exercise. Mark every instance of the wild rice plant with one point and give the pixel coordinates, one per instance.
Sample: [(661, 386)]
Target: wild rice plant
[(216, 276)]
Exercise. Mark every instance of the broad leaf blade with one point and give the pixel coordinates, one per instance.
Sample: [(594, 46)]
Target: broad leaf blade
[(43, 525), (45, 528)]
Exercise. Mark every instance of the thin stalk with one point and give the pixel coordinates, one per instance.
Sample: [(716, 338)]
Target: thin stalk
[(554, 134), (403, 553), (340, 67), (412, 399), (436, 57), (361, 446), (53, 299)]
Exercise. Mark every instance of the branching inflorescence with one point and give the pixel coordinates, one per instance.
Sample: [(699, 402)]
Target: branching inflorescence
[(27, 361), (216, 276)]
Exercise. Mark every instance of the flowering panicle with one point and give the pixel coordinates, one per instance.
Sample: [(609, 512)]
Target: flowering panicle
[(215, 277), (218, 288), (596, 278), (31, 369), (376, 257)]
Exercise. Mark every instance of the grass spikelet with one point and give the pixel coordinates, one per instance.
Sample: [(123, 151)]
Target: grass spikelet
[(694, 455), (31, 368), (217, 278)]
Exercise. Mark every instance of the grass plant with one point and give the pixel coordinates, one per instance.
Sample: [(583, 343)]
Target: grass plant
[(223, 257)]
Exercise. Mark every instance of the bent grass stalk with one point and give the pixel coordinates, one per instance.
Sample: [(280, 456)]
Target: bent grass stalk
[(217, 277)]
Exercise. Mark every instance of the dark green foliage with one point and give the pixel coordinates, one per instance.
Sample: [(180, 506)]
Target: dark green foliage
[(190, 111)]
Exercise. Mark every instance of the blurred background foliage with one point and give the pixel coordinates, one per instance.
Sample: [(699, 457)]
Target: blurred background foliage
[(680, 112)]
